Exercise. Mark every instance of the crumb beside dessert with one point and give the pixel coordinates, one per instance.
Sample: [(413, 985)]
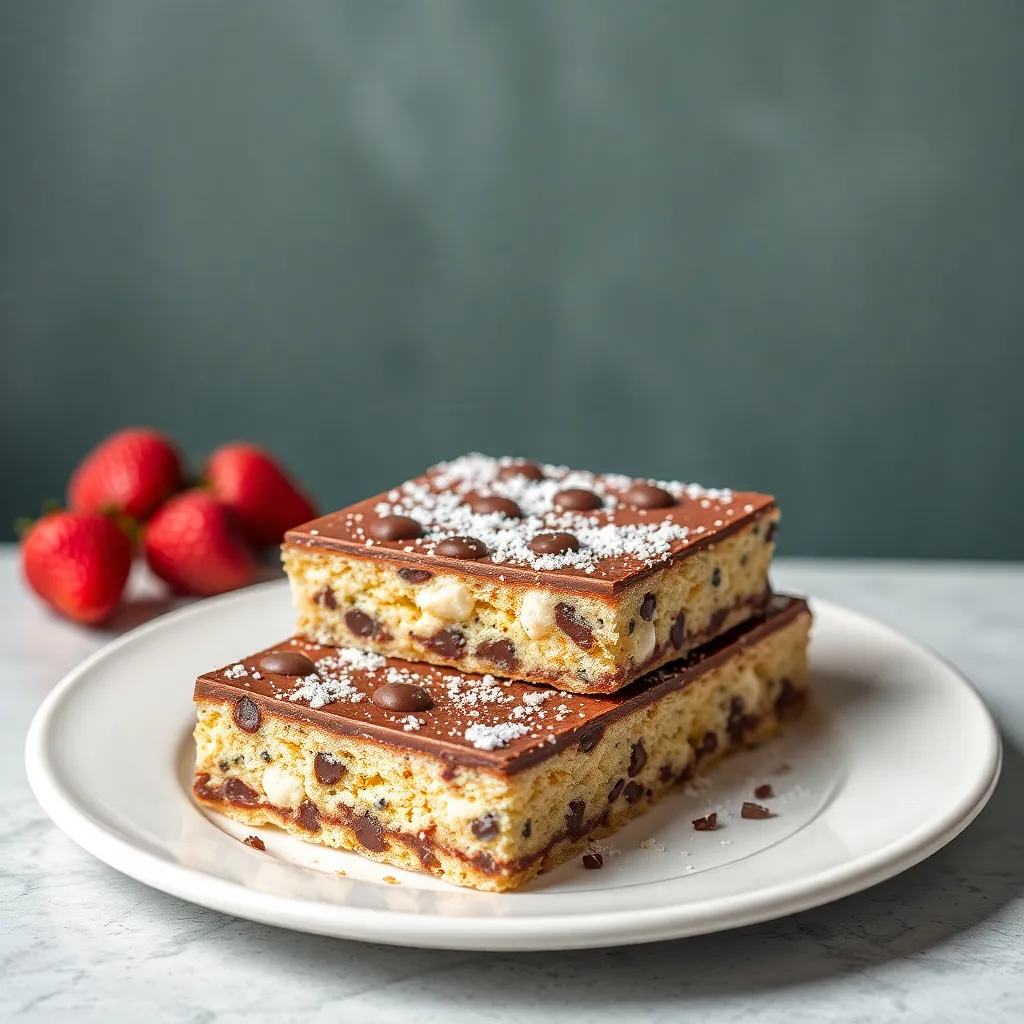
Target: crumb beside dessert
[(579, 580), (481, 781)]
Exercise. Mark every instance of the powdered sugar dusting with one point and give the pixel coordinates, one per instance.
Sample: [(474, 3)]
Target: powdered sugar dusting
[(491, 737), (441, 509), (333, 681)]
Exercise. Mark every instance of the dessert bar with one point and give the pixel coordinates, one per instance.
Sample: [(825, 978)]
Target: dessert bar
[(481, 781), (579, 580)]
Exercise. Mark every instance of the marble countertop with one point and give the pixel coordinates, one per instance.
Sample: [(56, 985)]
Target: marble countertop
[(942, 942)]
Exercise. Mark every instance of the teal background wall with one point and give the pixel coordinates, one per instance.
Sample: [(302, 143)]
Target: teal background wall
[(769, 245)]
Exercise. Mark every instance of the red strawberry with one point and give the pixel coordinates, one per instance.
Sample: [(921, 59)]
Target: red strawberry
[(132, 472), (192, 544), (263, 497), (78, 563)]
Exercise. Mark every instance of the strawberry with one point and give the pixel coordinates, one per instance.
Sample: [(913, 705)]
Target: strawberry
[(132, 473), (263, 497), (78, 563), (192, 543)]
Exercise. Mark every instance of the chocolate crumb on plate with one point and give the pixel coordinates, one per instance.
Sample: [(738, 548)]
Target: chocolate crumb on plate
[(593, 861), (255, 842), (754, 811), (708, 824), (764, 791)]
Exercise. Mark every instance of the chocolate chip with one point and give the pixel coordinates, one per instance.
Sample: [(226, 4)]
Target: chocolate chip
[(678, 632), (359, 623), (630, 627), (528, 469), (716, 577), (485, 862), (592, 861), (665, 773), (577, 499), (366, 827), (527, 828), (685, 775), (754, 811), (308, 817), (769, 534), (255, 842), (449, 643), (328, 769), (738, 723), (247, 714), (380, 803), (789, 697), (734, 723), (553, 543), (574, 626), (709, 744), (415, 575), (202, 789), (325, 597), (616, 791), (402, 697), (499, 652), (633, 792), (461, 547), (287, 663), (637, 758), (369, 833), (223, 764), (647, 606), (590, 737), (764, 791), (265, 756), (485, 503), (648, 496), (486, 827), (708, 824), (395, 528), (574, 824), (238, 792)]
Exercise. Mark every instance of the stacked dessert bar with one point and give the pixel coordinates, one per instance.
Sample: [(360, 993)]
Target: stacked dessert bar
[(499, 662)]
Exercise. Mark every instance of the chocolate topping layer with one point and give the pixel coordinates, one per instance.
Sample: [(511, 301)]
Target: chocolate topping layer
[(625, 528), (476, 720)]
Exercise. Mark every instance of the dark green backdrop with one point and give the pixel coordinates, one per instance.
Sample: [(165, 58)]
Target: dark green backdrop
[(774, 245)]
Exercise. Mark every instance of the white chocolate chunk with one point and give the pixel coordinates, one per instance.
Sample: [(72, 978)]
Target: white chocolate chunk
[(641, 642), (449, 602), (282, 788), (537, 616)]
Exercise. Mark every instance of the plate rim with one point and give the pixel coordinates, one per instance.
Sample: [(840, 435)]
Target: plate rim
[(561, 931)]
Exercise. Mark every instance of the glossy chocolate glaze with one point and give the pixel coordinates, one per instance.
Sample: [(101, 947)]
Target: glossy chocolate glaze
[(554, 722), (708, 516)]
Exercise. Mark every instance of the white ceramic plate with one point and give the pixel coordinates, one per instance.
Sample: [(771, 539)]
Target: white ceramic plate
[(896, 756)]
